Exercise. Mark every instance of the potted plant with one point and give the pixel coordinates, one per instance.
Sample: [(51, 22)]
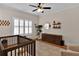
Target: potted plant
[(39, 30)]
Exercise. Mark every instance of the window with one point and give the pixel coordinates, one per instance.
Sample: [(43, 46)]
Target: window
[(26, 27), (30, 27), (16, 25), (22, 26)]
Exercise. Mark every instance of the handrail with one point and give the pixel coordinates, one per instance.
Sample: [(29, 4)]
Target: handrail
[(9, 36), (29, 43), (17, 46), (24, 37)]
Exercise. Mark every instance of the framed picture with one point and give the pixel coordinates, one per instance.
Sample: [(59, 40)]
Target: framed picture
[(46, 25)]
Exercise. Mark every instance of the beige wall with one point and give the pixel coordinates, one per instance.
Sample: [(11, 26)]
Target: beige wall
[(69, 19), (70, 24), (8, 14)]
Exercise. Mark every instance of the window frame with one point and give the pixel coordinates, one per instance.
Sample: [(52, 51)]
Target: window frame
[(24, 26)]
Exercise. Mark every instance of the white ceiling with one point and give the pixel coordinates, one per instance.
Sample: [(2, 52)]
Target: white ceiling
[(55, 7)]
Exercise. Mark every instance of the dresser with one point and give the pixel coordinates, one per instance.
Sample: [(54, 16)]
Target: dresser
[(53, 38)]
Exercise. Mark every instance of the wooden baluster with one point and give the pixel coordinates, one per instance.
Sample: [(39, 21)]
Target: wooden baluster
[(15, 52), (31, 49), (18, 52), (11, 52), (34, 48), (24, 50), (27, 50)]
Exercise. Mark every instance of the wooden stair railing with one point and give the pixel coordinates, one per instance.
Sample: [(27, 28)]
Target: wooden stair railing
[(22, 48)]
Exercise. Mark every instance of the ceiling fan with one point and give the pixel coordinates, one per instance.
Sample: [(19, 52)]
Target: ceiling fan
[(39, 8)]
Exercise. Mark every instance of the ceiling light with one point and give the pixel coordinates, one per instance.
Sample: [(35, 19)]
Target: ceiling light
[(39, 10)]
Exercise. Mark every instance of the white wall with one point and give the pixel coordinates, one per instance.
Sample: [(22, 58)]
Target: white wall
[(70, 24), (7, 13)]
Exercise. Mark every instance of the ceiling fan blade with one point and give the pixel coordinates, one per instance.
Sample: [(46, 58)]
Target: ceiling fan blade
[(46, 7), (32, 6), (34, 10)]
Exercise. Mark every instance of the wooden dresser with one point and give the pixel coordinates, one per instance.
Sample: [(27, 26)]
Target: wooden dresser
[(52, 38)]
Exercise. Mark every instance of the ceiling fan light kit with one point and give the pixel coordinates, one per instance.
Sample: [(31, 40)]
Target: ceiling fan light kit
[(39, 10)]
